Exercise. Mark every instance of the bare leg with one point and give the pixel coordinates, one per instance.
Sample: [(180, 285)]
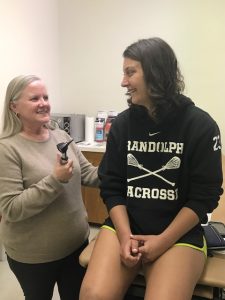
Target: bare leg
[(106, 277), (173, 276)]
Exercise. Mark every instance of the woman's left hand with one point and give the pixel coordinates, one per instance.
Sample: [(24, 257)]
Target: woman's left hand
[(150, 246)]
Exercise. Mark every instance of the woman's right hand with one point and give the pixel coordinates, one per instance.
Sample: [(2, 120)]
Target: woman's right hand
[(129, 253), (63, 172)]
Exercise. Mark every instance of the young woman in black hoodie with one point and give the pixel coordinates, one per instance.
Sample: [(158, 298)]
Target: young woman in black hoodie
[(160, 176)]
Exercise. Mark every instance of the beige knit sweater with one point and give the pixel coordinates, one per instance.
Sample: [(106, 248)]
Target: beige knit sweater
[(42, 219)]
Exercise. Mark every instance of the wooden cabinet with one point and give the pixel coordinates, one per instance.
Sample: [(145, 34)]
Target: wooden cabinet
[(96, 209)]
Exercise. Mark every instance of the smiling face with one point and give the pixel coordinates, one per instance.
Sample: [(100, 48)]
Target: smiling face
[(33, 106), (134, 81)]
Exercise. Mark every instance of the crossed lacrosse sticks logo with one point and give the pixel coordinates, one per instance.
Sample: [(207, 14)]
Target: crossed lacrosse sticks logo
[(173, 163)]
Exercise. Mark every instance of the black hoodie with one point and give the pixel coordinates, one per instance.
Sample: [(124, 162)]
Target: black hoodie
[(156, 168)]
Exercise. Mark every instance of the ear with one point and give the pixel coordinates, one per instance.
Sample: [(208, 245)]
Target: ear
[(12, 106)]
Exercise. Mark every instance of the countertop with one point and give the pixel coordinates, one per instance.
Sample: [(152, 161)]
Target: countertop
[(92, 147)]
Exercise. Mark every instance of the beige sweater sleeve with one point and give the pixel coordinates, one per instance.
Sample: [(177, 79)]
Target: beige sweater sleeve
[(17, 202)]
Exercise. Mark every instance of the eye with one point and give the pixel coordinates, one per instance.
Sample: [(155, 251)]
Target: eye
[(129, 72), (34, 98), (37, 98)]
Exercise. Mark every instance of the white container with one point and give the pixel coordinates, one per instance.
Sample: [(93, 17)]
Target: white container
[(89, 129), (102, 114)]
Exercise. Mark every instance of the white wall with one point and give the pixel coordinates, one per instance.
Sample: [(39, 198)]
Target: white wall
[(29, 44), (76, 47), (94, 33)]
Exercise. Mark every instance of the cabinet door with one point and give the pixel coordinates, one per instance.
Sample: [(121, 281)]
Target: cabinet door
[(96, 209)]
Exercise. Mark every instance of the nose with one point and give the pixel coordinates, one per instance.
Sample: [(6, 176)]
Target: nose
[(42, 101), (124, 82)]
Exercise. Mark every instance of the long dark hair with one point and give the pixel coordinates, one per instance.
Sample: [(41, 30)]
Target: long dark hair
[(161, 72)]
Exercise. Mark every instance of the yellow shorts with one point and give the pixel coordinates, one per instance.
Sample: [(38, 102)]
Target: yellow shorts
[(203, 249)]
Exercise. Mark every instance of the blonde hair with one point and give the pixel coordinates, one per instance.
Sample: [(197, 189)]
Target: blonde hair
[(11, 123)]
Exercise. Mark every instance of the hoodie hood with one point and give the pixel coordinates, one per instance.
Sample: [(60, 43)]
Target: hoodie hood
[(167, 115)]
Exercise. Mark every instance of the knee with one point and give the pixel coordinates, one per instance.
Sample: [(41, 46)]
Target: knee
[(91, 293)]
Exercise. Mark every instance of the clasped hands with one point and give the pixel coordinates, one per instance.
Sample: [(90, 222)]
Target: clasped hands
[(142, 248)]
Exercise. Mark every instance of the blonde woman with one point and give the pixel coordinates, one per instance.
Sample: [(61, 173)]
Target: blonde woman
[(44, 223)]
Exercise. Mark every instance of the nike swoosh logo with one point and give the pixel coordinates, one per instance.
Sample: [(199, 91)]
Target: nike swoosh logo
[(151, 134)]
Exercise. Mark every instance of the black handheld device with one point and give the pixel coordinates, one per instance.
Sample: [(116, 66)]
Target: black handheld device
[(62, 147)]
